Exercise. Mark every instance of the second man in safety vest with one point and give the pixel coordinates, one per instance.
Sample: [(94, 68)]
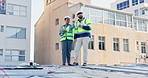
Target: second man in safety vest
[(81, 37)]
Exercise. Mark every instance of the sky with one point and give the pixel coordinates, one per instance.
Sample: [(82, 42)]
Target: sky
[(38, 8)]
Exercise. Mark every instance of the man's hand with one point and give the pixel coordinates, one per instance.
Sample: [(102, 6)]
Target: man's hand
[(64, 31), (80, 26), (73, 22)]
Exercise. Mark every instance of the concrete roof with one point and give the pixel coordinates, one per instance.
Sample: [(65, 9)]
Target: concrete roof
[(91, 71)]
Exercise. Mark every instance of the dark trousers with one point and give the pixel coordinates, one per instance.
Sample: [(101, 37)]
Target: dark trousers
[(66, 50)]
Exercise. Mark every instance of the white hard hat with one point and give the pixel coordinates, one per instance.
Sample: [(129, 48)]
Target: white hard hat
[(79, 12), (66, 17)]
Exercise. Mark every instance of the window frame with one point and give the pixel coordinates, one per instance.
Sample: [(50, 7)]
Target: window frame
[(142, 26), (123, 5), (120, 20), (142, 11), (11, 55), (101, 42), (109, 17), (126, 44), (95, 17), (136, 12), (2, 28), (141, 1), (16, 33), (57, 46), (134, 2), (49, 2), (12, 10), (143, 45), (115, 47), (57, 21), (1, 52)]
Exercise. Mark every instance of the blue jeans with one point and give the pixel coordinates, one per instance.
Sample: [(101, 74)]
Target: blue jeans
[(66, 50)]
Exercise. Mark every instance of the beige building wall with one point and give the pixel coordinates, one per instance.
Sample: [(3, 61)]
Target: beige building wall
[(47, 36), (47, 32)]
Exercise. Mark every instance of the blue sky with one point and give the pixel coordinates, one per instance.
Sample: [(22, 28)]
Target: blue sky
[(37, 10)]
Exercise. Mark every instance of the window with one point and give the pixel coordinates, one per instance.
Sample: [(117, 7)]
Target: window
[(118, 6), (136, 12), (141, 1), (57, 46), (129, 21), (137, 43), (128, 4), (143, 47), (126, 45), (134, 2), (116, 44), (96, 15), (109, 18), (73, 16), (86, 12), (135, 24), (57, 21), (142, 11), (1, 28), (91, 43), (121, 20), (17, 10), (49, 1), (14, 55), (1, 52), (142, 25), (123, 5), (23, 11), (19, 33), (2, 6), (101, 43)]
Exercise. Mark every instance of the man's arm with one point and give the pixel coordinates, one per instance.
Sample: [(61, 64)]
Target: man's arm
[(61, 32), (88, 25)]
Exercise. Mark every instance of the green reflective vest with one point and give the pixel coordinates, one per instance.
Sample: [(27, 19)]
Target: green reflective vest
[(84, 22), (69, 34)]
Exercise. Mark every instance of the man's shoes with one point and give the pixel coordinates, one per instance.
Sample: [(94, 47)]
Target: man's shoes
[(75, 64), (64, 64), (70, 65), (84, 64)]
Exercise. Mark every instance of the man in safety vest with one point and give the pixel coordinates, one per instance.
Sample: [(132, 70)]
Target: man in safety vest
[(81, 37), (66, 34)]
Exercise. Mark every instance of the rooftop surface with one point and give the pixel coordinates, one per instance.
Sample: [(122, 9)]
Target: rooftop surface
[(53, 71)]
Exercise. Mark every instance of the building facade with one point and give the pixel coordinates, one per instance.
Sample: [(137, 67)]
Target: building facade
[(138, 7), (116, 38), (15, 29)]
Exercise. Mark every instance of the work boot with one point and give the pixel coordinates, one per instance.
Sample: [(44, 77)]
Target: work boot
[(70, 65), (75, 64), (84, 64), (64, 64)]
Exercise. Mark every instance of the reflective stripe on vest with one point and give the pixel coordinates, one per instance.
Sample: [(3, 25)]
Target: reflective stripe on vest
[(66, 36), (83, 32)]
